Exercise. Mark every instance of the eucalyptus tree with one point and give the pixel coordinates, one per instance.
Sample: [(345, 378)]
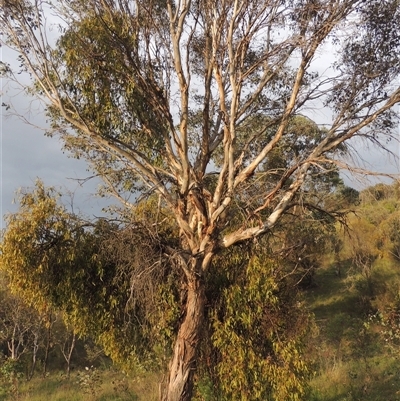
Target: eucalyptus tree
[(162, 96)]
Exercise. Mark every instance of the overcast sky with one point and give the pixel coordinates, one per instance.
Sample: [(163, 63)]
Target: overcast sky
[(27, 154)]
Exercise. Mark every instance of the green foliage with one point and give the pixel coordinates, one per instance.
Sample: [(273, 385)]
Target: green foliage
[(375, 229), (388, 319), (86, 271), (258, 335), (11, 368), (95, 71), (40, 251), (90, 381), (390, 234), (304, 242), (11, 374), (346, 197)]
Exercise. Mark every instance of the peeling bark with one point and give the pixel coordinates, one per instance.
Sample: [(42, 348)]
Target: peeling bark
[(182, 366)]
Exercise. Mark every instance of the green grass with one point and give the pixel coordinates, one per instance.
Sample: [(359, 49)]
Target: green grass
[(376, 380), (352, 362), (111, 386)]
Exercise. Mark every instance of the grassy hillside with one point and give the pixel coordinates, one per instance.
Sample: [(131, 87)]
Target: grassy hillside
[(352, 359)]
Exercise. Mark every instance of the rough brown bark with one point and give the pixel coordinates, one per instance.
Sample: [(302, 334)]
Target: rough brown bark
[(182, 366)]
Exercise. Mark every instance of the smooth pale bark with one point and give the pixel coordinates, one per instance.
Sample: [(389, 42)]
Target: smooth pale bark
[(67, 349), (35, 349), (16, 342)]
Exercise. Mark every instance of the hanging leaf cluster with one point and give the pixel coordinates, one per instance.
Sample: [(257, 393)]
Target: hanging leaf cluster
[(258, 335)]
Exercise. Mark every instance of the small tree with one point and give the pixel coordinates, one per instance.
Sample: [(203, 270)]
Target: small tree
[(67, 347), (22, 329), (16, 323)]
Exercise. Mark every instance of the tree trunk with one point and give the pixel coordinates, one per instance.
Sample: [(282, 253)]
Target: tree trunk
[(67, 349), (47, 348), (35, 349), (182, 366)]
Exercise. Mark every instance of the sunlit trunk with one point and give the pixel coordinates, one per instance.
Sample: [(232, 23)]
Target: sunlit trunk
[(14, 344), (183, 363)]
